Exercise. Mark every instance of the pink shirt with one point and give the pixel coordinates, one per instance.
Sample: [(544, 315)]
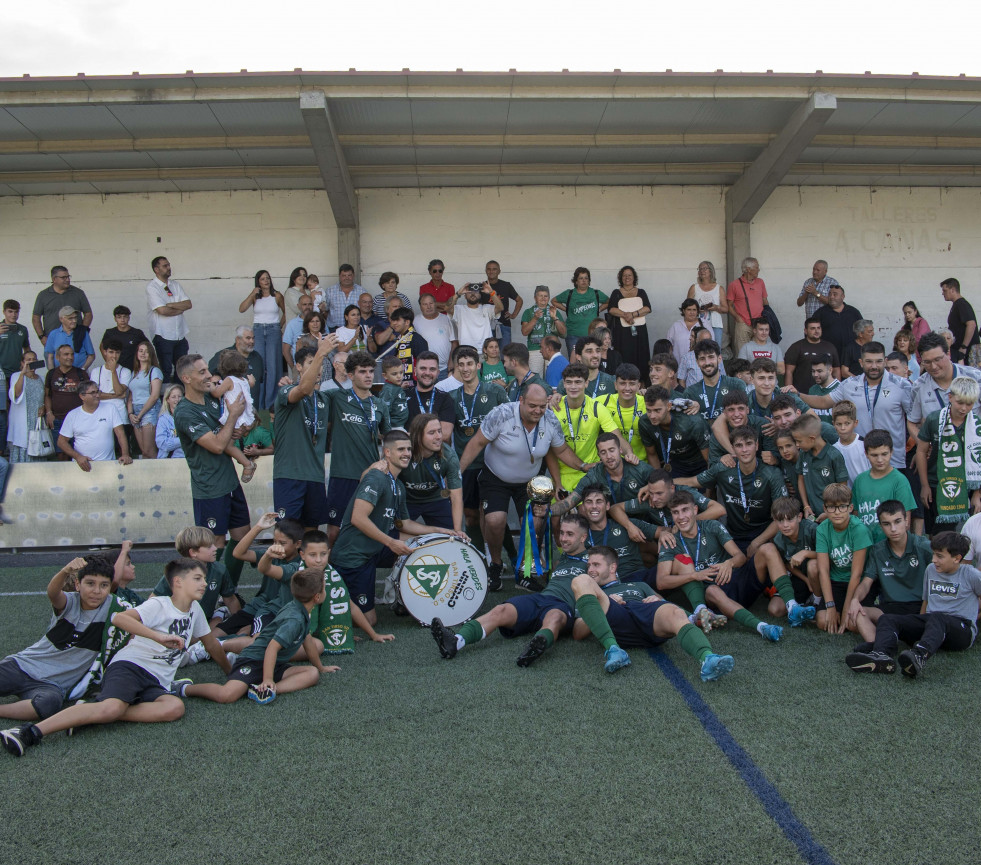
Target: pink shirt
[(755, 291)]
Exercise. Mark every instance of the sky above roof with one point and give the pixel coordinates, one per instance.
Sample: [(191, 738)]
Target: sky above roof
[(118, 37)]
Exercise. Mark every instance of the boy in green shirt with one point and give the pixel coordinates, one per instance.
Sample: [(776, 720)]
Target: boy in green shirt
[(818, 465), (880, 483), (842, 542), (791, 560), (392, 392)]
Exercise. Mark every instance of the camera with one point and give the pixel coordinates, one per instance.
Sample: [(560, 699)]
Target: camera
[(37, 364)]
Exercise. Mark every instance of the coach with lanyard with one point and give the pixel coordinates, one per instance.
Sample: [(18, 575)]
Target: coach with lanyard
[(514, 438)]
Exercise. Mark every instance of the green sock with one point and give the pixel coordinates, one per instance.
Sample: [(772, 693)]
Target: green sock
[(693, 642), (232, 565), (548, 635), (593, 615), (785, 588), (746, 619), (472, 631), (695, 592)]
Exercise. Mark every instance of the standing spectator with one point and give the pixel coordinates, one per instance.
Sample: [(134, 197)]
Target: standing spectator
[(581, 305), (14, 339), (61, 388), (297, 289), (268, 311), (851, 357), (800, 356), (112, 379), (143, 407), (931, 392), (537, 322), (837, 318), (492, 366), (370, 321), (292, 332), (26, 406), (72, 334), (245, 345), (915, 323), (747, 297), (128, 337), (554, 361), (389, 284), (444, 292), (342, 294), (475, 321), (166, 304), (815, 292), (166, 440), (437, 329), (680, 332), (50, 301), (505, 291), (760, 346), (87, 432), (712, 304), (628, 303), (963, 325)]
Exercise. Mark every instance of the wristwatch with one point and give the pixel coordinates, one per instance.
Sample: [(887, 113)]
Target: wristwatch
[(830, 605)]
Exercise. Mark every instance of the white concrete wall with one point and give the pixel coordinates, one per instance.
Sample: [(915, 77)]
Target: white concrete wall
[(216, 241), (885, 246)]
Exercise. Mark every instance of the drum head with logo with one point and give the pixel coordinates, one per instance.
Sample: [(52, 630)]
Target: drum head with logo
[(443, 578)]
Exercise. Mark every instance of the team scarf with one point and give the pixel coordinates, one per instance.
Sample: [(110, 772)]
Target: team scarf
[(330, 621), (958, 467), (113, 639)]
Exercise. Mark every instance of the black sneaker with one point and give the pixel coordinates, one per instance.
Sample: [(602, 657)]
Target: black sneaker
[(911, 663), (863, 647), (533, 651), (494, 581), (530, 583), (398, 608), (445, 639), (17, 740), (870, 662)]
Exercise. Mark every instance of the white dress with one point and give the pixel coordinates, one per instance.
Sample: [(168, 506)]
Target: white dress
[(240, 387)]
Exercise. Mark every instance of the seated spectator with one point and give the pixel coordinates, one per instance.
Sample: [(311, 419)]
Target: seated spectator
[(353, 335), (70, 333), (129, 337), (26, 406), (166, 440), (143, 407), (314, 329), (680, 332), (370, 321), (61, 386), (905, 342), (86, 434)]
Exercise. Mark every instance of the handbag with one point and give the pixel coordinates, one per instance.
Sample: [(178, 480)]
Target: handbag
[(776, 331), (40, 442)]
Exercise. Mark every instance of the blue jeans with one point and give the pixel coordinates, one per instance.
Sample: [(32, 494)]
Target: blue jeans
[(505, 334), (570, 343), (3, 430), (269, 345), (169, 351), (4, 471)]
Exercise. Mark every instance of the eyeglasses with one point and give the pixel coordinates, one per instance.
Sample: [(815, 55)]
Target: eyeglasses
[(436, 270), (836, 508)]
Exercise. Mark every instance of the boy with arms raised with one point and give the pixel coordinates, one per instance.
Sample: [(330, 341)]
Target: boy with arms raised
[(881, 482), (43, 674), (850, 444), (634, 615), (947, 618), (818, 465), (136, 685), (842, 542)]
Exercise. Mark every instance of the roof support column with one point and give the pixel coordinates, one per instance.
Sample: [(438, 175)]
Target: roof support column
[(335, 175)]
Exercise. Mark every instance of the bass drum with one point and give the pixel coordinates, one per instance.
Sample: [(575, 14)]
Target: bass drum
[(443, 577)]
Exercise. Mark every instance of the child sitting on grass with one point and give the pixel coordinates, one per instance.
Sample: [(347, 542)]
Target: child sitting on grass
[(792, 556), (842, 543)]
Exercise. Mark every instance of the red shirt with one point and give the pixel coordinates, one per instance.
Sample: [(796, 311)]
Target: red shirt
[(755, 291), (442, 294)]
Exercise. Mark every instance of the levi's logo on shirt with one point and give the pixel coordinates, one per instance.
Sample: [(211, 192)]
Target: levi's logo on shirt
[(938, 587)]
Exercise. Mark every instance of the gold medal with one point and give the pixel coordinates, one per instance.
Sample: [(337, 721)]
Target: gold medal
[(445, 493), (469, 432), (398, 524), (667, 467)]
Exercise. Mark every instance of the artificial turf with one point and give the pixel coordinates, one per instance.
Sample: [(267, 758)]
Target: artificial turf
[(404, 757)]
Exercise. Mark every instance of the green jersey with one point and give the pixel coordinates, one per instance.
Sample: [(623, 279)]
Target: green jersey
[(828, 467), (766, 413), (356, 423), (710, 398), (386, 494), (869, 492), (13, 343), (806, 540), (491, 372), (581, 308), (717, 451), (662, 516), (629, 591), (706, 547), (545, 326), (817, 390), (471, 409), (632, 479), (747, 498), (679, 446), (397, 400), (258, 436), (841, 546), (274, 594), (900, 578), (131, 597), (628, 419), (212, 475), (603, 385), (827, 433), (301, 436), (424, 481), (289, 629), (514, 387), (564, 571), (614, 535), (220, 585)]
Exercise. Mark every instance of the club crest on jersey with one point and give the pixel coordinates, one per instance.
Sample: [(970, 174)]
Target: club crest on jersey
[(826, 473)]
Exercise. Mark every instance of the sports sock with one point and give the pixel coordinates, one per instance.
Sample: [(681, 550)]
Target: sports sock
[(232, 565), (472, 631), (693, 642), (817, 600), (548, 635), (695, 592), (785, 588), (746, 619), (593, 615)]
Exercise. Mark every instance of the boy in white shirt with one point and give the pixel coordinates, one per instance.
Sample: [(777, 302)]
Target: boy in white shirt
[(112, 378), (844, 416)]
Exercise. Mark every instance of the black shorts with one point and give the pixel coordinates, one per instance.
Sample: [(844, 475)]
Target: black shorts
[(229, 511), (340, 491), (250, 671), (130, 683), (495, 494), (744, 586), (900, 608), (305, 501), (45, 697), (532, 610), (235, 622), (633, 624), (438, 513), (839, 591), (360, 581), (471, 488)]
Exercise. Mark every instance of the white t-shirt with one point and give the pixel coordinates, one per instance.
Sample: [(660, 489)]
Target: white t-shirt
[(240, 387), (169, 327), (160, 614), (473, 326), (439, 333), (102, 377), (449, 384), (855, 459), (972, 531), (92, 432)]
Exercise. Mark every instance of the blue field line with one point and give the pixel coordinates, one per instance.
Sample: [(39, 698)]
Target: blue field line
[(771, 800)]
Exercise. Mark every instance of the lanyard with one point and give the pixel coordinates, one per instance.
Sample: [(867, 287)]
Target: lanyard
[(440, 480), (370, 418), (698, 545), (432, 398), (517, 385), (530, 444), (609, 479), (314, 426), (742, 492), (715, 396), (606, 533), (395, 491), (636, 414), (468, 415), (871, 405), (596, 386), (574, 431), (666, 448)]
